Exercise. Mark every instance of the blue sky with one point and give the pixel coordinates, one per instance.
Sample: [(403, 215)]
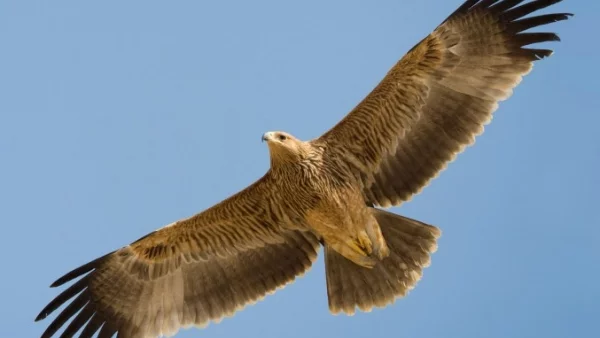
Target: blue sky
[(117, 118)]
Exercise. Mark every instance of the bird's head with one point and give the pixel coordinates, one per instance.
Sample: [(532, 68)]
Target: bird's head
[(284, 147)]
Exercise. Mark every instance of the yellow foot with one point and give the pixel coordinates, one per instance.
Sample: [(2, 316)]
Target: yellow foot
[(380, 247), (352, 251), (364, 243)]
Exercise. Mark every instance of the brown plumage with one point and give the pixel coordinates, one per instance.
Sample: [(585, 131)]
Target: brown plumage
[(425, 111)]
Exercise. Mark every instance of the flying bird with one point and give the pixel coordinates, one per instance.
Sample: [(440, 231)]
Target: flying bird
[(329, 191)]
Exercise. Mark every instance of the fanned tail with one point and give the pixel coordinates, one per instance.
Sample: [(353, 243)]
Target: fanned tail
[(350, 285)]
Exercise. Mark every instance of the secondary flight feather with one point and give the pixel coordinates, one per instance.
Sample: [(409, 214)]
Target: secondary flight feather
[(322, 192)]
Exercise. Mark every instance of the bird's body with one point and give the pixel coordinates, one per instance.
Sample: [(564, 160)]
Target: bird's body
[(331, 203), (324, 192)]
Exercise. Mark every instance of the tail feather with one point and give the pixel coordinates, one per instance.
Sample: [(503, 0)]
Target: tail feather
[(350, 285)]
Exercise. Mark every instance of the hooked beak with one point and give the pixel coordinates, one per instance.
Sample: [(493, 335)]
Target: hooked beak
[(266, 136)]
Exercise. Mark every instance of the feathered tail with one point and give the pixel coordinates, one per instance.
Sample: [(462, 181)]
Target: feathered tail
[(349, 285)]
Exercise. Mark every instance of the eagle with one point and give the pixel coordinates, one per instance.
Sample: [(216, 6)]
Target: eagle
[(331, 191)]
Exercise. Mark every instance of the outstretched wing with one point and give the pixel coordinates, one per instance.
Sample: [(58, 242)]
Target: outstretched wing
[(438, 97), (186, 274)]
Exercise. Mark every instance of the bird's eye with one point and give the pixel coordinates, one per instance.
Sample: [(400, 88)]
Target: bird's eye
[(281, 137)]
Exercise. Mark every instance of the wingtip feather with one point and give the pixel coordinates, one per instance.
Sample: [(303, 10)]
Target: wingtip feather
[(85, 268)]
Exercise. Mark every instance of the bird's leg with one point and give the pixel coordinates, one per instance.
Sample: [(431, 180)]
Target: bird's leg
[(364, 243), (352, 251), (380, 247), (338, 231)]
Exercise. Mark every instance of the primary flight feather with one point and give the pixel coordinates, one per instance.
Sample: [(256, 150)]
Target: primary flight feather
[(430, 105)]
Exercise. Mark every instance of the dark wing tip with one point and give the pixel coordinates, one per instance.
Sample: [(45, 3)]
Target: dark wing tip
[(77, 304), (41, 316), (465, 7), (507, 9), (64, 296), (524, 39), (71, 291), (527, 23), (78, 271), (510, 13), (513, 14)]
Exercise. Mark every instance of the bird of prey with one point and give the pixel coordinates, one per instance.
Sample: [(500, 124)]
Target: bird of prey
[(329, 191)]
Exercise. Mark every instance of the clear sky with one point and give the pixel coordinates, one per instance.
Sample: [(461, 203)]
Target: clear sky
[(118, 117)]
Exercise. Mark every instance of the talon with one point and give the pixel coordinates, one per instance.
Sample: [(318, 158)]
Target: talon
[(352, 251), (364, 242), (355, 246), (380, 247)]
